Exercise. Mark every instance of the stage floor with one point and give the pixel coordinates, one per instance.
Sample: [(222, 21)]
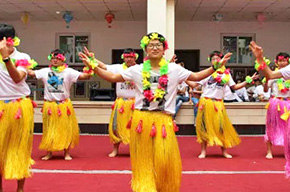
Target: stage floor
[(92, 170)]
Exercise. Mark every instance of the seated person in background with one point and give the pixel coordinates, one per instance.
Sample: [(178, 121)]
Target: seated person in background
[(194, 94), (242, 93), (231, 96), (182, 94), (251, 90), (260, 95)]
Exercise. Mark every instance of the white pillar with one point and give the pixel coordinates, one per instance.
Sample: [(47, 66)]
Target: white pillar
[(170, 28), (160, 18)]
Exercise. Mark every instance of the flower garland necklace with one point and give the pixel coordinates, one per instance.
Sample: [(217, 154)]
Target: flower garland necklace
[(223, 79), (129, 83), (161, 90), (58, 69)]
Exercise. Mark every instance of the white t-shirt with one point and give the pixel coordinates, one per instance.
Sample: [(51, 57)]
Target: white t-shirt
[(181, 86), (123, 89), (176, 75), (260, 91), (10, 90), (57, 85), (285, 72), (274, 89), (213, 89), (230, 96), (242, 93)]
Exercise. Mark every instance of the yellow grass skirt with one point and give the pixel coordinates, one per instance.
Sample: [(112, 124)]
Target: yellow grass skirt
[(16, 136), (121, 115), (154, 152), (60, 126), (214, 126)]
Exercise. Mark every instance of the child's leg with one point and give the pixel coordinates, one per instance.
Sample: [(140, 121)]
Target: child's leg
[(67, 156), (115, 151), (269, 150), (20, 185), (225, 154), (47, 156), (203, 150)]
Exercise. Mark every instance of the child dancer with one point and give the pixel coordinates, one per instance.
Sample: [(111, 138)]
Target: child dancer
[(277, 106), (213, 126), (16, 110), (60, 126), (281, 73), (123, 106), (154, 153)]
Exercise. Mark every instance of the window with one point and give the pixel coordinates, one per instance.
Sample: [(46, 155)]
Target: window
[(239, 46), (71, 44)]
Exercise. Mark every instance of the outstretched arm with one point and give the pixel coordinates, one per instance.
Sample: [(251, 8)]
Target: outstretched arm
[(258, 52), (244, 83), (104, 74), (207, 72)]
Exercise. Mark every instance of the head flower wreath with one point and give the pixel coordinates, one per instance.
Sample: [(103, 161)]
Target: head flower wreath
[(58, 56), (132, 54), (153, 36)]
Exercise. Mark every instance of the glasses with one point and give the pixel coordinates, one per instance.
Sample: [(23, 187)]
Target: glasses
[(157, 45)]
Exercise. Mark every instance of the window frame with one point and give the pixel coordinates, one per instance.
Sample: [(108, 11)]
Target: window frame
[(237, 35)]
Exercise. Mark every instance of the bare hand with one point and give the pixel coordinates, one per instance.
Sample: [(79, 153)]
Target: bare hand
[(173, 59), (85, 59), (225, 59), (257, 51), (4, 49), (255, 76), (87, 52)]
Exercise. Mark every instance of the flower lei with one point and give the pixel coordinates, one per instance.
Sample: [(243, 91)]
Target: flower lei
[(58, 69), (93, 65), (261, 66), (161, 90), (145, 40), (249, 80), (283, 86), (218, 77), (28, 64), (129, 83), (13, 41)]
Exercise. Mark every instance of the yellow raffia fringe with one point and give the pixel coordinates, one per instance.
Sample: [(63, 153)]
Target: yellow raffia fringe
[(16, 138), (285, 115), (214, 127), (59, 132), (122, 133), (156, 162)]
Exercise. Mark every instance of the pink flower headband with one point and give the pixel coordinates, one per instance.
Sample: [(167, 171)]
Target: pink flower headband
[(58, 56), (132, 54)]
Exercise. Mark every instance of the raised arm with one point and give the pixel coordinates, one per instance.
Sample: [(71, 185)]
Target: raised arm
[(15, 74), (244, 83), (104, 74), (197, 76), (91, 55), (258, 52)]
